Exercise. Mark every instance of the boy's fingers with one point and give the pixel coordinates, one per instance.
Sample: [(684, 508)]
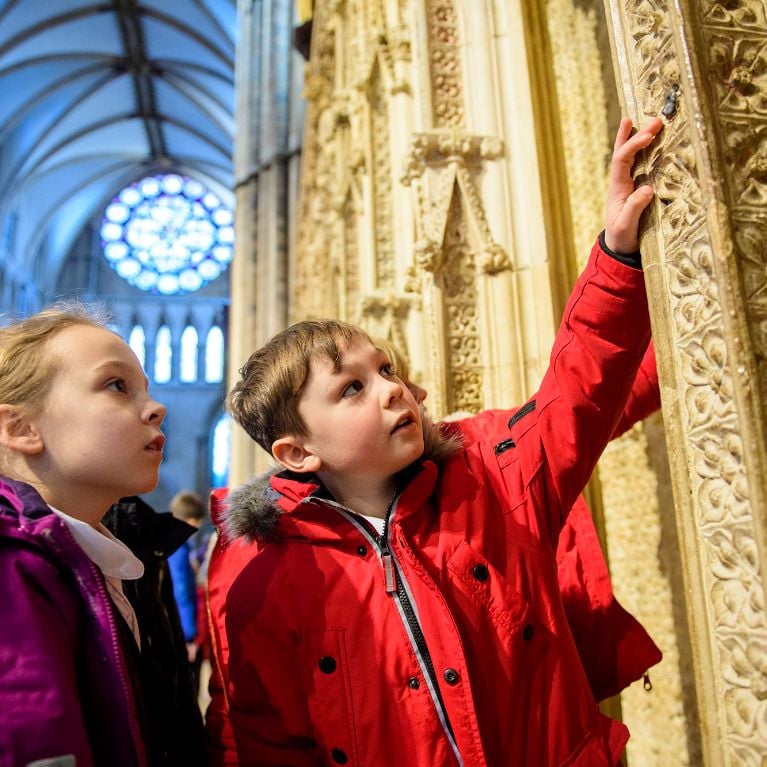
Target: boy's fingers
[(635, 203), (626, 144), (624, 132)]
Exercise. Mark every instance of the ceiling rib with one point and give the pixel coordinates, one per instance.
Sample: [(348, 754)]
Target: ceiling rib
[(138, 65)]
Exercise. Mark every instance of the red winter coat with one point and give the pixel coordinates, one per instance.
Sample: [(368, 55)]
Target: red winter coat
[(613, 646), (446, 642)]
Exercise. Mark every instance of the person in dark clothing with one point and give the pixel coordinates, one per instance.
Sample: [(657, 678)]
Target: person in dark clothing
[(171, 718)]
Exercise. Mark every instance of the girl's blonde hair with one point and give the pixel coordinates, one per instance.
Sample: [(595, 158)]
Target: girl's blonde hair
[(27, 366)]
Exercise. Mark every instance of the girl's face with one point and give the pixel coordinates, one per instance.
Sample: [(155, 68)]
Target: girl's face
[(100, 429)]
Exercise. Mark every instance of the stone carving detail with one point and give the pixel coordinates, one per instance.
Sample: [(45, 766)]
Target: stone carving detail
[(382, 184), (351, 277), (453, 158), (384, 315), (314, 265), (458, 282), (447, 91), (735, 38)]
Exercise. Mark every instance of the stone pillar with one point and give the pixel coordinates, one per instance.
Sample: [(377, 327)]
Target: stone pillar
[(268, 113), (629, 495), (703, 65)]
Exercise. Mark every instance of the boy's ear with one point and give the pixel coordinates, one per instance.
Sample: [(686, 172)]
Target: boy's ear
[(18, 433), (291, 454)]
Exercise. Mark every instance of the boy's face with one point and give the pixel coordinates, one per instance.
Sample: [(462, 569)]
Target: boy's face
[(362, 420), (99, 427)]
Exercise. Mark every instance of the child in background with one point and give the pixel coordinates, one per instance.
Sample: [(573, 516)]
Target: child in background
[(78, 431), (404, 606), (184, 566)]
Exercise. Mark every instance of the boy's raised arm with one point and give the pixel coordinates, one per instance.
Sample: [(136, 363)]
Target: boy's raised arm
[(604, 332)]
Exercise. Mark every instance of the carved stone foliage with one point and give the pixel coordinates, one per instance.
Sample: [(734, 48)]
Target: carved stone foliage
[(713, 380), (346, 149), (447, 91), (735, 49), (458, 282)]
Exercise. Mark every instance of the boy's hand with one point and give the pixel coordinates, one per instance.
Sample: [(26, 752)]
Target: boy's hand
[(624, 203)]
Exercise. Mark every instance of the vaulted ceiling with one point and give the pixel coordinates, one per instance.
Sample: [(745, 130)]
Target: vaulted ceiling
[(95, 95)]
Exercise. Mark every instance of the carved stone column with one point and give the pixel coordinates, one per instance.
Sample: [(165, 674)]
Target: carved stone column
[(266, 159), (704, 64)]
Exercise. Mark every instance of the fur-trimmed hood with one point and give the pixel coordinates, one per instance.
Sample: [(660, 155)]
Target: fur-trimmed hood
[(253, 509)]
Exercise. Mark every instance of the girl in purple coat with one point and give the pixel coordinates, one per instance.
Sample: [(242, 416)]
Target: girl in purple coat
[(78, 431)]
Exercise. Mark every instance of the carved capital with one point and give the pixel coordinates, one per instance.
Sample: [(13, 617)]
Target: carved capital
[(386, 305), (440, 147), (493, 260), (427, 256)]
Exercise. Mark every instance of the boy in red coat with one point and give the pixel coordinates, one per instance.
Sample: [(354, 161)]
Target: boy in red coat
[(614, 648), (406, 609)]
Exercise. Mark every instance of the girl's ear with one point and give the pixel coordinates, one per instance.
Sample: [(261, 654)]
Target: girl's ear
[(18, 433), (291, 454)]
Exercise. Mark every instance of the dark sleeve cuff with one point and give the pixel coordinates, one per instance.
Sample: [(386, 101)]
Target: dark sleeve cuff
[(633, 260)]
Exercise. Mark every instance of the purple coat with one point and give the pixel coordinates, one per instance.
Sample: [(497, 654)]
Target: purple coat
[(64, 687)]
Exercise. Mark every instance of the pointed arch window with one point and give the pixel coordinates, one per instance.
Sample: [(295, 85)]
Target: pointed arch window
[(137, 342), (188, 369), (214, 355), (163, 355)]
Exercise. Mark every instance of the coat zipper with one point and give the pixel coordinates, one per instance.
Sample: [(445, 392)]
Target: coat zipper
[(395, 585)]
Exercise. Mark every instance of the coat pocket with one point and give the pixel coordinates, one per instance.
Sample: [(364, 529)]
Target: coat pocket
[(329, 695), (487, 597)]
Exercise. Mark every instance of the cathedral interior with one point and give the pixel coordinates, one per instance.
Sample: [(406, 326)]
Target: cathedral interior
[(210, 171)]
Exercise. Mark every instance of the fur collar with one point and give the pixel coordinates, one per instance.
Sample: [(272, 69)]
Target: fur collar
[(253, 509)]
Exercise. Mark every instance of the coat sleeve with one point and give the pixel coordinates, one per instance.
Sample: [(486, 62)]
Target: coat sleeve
[(644, 397), (559, 435), (268, 706), (42, 716)]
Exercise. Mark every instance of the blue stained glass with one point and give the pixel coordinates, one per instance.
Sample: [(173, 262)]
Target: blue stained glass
[(162, 355), (167, 234), (188, 372), (137, 342), (214, 355), (222, 451)]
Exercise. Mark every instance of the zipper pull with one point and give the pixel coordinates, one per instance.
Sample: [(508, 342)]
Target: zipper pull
[(646, 683), (390, 578)]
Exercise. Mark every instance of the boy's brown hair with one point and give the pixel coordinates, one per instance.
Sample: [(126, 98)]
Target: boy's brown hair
[(265, 399)]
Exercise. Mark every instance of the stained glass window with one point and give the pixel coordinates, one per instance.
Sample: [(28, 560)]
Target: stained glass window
[(214, 356), (137, 342), (188, 373), (167, 234), (222, 450), (163, 355)]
